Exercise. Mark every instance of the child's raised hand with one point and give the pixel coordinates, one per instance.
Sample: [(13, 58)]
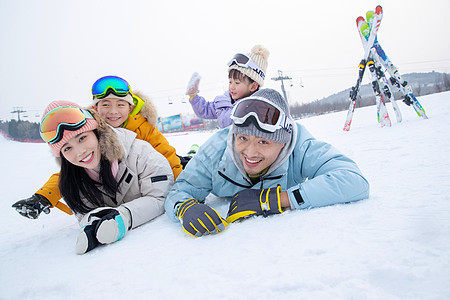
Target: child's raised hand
[(192, 87)]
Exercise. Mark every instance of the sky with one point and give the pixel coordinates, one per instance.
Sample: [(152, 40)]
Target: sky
[(394, 245), (54, 50)]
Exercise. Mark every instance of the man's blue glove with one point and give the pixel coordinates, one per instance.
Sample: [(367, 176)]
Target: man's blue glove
[(105, 225), (33, 206), (251, 202), (199, 219)]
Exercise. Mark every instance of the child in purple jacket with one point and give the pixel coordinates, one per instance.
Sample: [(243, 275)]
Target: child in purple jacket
[(246, 74)]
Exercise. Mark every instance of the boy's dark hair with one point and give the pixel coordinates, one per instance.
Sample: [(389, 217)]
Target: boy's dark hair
[(237, 75), (74, 181)]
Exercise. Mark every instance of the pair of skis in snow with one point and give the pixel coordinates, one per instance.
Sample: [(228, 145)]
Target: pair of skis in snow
[(374, 59)]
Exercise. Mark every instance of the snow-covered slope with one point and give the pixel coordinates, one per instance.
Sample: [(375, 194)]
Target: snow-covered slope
[(394, 245)]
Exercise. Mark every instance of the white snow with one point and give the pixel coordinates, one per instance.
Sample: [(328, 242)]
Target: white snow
[(394, 245)]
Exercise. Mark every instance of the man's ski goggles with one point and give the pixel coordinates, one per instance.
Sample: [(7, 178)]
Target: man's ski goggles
[(244, 61), (266, 116), (62, 118), (108, 84)]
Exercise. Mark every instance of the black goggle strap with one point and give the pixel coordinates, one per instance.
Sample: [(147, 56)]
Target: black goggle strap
[(62, 127)]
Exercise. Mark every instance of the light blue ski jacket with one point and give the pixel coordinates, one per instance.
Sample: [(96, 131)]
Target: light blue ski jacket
[(318, 171)]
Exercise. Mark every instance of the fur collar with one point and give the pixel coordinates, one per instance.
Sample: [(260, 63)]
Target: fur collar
[(110, 147), (148, 111)]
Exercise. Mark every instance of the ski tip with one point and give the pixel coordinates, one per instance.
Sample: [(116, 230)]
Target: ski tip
[(359, 20), (347, 125), (365, 30), (378, 10)]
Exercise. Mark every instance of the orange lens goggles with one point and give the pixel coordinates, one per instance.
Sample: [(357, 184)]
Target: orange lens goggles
[(62, 118)]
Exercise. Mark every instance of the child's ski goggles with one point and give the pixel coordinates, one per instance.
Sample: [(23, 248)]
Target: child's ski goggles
[(62, 118), (266, 116), (108, 84), (244, 61)]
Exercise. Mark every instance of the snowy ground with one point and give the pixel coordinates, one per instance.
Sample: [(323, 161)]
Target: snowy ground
[(395, 245)]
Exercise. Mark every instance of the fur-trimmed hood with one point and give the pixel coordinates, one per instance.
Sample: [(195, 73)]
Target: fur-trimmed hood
[(149, 110), (110, 147)]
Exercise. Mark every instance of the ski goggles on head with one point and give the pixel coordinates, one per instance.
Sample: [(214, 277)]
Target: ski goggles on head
[(244, 61), (108, 84), (266, 116), (62, 118)]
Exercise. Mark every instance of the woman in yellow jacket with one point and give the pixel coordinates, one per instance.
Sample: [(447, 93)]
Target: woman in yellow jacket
[(119, 107)]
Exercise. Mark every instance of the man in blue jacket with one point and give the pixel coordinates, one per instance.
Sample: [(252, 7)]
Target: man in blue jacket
[(265, 163)]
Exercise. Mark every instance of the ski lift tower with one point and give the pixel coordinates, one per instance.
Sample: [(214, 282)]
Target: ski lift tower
[(281, 77), (18, 110)]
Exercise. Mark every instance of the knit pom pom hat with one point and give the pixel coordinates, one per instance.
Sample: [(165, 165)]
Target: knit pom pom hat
[(259, 55), (90, 124)]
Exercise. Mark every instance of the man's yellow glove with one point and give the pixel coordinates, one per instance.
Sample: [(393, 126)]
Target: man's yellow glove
[(199, 219), (251, 202)]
